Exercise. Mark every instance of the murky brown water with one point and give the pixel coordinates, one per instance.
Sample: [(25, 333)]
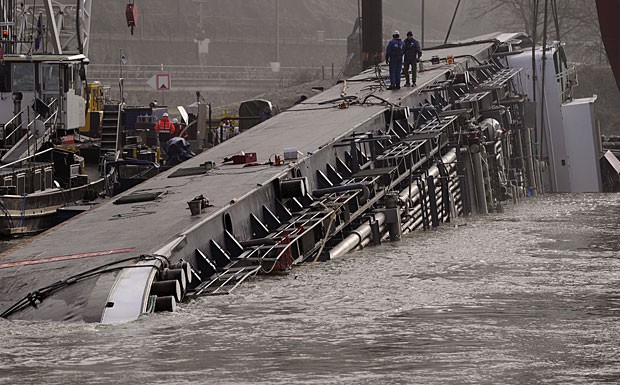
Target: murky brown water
[(528, 296)]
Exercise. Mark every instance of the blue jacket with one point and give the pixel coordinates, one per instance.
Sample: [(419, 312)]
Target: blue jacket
[(412, 50), (395, 50)]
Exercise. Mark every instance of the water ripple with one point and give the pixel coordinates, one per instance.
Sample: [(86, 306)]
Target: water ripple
[(529, 296)]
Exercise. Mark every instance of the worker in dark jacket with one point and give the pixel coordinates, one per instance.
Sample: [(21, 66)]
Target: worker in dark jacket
[(413, 53), (394, 58)]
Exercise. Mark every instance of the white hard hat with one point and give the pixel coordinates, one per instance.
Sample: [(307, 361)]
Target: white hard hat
[(396, 33), (165, 114), (175, 120)]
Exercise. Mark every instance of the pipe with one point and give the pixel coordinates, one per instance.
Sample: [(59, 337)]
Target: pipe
[(415, 221), (481, 197), (358, 235), (343, 188), (412, 191), (367, 240), (452, 22), (453, 188), (355, 238), (487, 179), (529, 163)]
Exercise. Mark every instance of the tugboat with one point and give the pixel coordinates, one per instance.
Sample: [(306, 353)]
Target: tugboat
[(43, 104)]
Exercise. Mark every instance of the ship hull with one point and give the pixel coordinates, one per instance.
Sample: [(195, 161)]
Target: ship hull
[(33, 213)]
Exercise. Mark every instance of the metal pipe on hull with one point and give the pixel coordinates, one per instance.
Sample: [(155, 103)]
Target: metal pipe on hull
[(413, 190), (356, 237), (367, 241), (413, 222), (529, 161), (486, 172), (481, 196)]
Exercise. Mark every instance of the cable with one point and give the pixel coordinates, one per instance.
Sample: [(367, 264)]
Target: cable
[(7, 213), (311, 109), (378, 97), (456, 10), (379, 76)]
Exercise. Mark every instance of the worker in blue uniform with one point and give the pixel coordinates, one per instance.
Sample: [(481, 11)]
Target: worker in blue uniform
[(413, 53), (394, 58)]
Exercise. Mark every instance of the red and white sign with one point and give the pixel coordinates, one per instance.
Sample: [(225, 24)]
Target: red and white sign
[(160, 82)]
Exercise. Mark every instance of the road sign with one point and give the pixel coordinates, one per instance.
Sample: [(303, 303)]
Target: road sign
[(160, 82)]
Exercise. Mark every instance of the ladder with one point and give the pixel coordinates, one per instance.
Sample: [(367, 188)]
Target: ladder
[(110, 128), (283, 244)]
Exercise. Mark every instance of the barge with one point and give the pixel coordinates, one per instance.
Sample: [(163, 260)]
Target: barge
[(355, 165)]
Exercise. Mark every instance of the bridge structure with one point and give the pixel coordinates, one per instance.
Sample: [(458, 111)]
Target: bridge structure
[(208, 78)]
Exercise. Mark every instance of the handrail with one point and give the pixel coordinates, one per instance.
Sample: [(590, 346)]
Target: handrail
[(45, 122), (118, 131), (204, 68), (26, 158), (15, 117), (29, 123), (29, 134)]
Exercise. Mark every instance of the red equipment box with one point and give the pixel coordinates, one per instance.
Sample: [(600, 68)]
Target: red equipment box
[(244, 158)]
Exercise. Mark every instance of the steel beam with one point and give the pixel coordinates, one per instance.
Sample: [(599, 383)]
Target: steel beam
[(52, 28)]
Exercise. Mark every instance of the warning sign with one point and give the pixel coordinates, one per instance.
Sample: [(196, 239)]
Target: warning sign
[(160, 82)]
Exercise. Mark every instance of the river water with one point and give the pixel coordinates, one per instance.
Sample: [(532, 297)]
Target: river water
[(528, 296)]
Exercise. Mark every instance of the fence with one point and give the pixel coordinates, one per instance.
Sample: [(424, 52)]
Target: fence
[(204, 73)]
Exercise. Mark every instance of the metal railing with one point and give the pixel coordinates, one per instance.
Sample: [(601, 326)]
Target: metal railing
[(197, 72), (224, 38), (10, 123), (26, 158), (47, 132), (17, 116), (33, 135), (567, 80)]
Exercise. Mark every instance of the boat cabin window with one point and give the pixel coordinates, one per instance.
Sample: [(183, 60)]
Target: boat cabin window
[(75, 80), (5, 77), (22, 77), (51, 78)]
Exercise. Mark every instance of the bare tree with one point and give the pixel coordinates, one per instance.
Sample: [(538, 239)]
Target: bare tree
[(572, 21)]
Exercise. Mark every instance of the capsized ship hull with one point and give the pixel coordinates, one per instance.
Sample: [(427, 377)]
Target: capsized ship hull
[(362, 165)]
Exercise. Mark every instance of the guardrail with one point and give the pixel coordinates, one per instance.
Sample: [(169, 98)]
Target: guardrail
[(197, 72), (193, 38)]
